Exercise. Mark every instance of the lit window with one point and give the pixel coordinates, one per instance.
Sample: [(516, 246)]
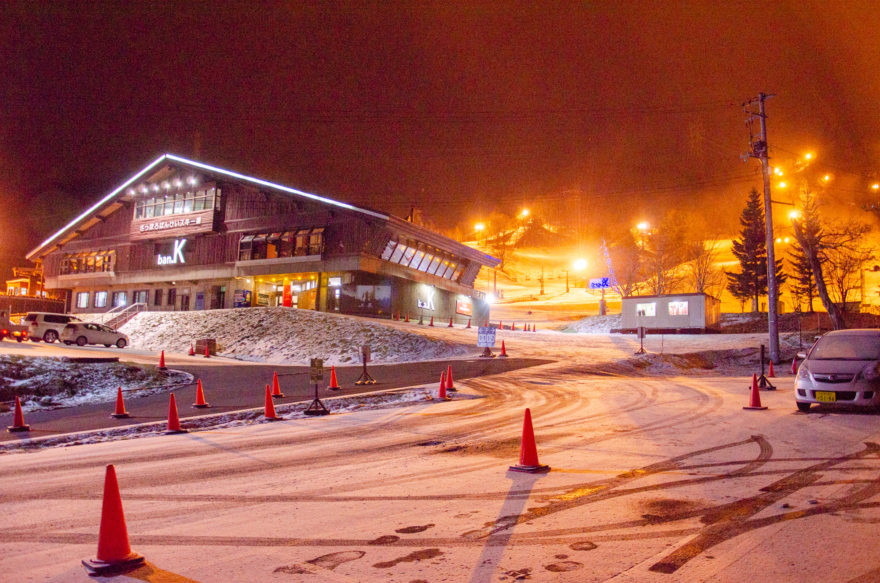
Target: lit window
[(649, 310), (101, 299), (82, 300), (678, 308)]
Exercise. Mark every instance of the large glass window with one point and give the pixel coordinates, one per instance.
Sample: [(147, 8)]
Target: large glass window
[(120, 298), (389, 249), (649, 310), (678, 308), (93, 262), (82, 300), (281, 244), (174, 203), (101, 299)]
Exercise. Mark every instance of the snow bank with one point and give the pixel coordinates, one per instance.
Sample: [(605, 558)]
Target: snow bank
[(49, 383), (285, 336), (595, 324)]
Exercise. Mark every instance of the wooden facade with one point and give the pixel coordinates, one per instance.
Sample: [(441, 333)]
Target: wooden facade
[(194, 260)]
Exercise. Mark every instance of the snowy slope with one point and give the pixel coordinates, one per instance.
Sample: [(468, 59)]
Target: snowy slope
[(285, 336)]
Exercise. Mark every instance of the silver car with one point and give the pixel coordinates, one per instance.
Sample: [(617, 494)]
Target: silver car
[(843, 368), (82, 333)]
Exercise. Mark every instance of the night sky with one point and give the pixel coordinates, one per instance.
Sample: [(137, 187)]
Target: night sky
[(459, 108)]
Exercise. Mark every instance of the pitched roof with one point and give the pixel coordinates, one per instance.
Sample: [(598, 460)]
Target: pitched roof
[(112, 201)]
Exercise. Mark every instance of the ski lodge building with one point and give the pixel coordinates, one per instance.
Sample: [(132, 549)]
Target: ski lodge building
[(183, 235)]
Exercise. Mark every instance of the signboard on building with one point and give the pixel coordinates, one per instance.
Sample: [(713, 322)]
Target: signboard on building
[(600, 283), (262, 299), (242, 298), (172, 226), (463, 308), (428, 304), (176, 254), (485, 337)]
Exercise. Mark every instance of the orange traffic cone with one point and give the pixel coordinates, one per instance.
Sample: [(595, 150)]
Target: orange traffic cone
[(432, 321), (513, 327), (162, 360), (207, 351), (441, 394), (200, 398), (407, 317), (192, 349), (276, 388), (755, 400), (528, 451), (533, 328), (114, 551), (770, 373), (120, 406), (269, 412), (794, 365), (450, 323), (173, 419), (503, 350), (487, 324), (334, 384), (468, 327), (18, 419), (449, 386)]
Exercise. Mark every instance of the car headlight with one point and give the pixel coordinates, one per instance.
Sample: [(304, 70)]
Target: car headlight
[(870, 372)]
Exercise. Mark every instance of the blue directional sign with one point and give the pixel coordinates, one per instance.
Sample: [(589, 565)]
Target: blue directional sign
[(601, 283)]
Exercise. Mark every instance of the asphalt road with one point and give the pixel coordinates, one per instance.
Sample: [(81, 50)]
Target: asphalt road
[(231, 386)]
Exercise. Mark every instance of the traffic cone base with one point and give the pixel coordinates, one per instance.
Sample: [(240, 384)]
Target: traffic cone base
[(98, 568), (120, 413), (528, 452), (18, 425), (114, 551), (200, 398), (755, 399), (503, 350)]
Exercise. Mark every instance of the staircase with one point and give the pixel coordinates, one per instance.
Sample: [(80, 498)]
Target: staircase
[(121, 314)]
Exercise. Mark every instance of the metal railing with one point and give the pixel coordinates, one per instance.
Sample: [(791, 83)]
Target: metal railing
[(121, 314)]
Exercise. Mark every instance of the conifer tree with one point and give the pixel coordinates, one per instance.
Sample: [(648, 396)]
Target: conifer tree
[(751, 251), (803, 284)]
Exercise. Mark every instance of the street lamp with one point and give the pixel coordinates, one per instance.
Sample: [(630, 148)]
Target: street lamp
[(578, 265), (524, 213), (643, 229)]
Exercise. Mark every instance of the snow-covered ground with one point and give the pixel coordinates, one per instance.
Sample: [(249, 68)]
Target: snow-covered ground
[(595, 324), (286, 336), (50, 383)]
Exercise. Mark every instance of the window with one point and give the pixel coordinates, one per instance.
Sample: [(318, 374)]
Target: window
[(281, 244), (172, 297), (93, 262), (316, 241), (678, 308), (244, 248), (101, 299), (157, 297), (649, 310), (141, 297), (82, 300), (120, 298), (184, 200), (389, 249)]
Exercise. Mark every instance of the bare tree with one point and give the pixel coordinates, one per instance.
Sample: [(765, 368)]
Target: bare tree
[(836, 251), (662, 256), (702, 274), (623, 262)]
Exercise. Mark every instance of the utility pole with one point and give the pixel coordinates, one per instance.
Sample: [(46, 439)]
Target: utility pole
[(759, 151)]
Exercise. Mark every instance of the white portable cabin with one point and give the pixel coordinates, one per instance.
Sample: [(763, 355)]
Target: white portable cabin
[(672, 313)]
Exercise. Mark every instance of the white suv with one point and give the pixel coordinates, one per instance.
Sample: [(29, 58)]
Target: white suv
[(47, 327), (88, 333)]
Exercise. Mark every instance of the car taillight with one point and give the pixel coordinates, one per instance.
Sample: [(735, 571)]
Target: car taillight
[(6, 332)]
